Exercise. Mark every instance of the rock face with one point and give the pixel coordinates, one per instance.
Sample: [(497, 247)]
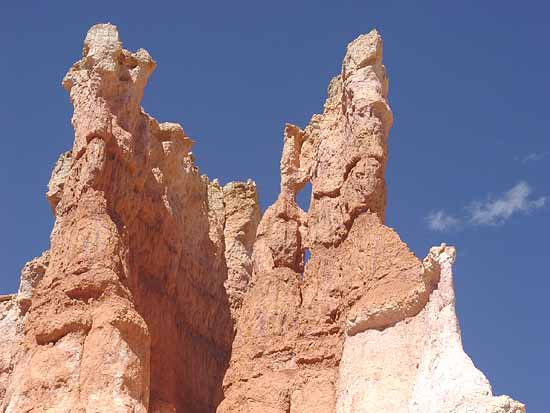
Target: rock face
[(132, 312), (165, 292), (431, 374)]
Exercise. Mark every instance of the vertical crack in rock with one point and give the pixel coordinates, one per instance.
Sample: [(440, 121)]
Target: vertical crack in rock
[(163, 291)]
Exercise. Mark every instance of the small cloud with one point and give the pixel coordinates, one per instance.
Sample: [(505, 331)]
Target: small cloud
[(497, 211), (535, 156), (441, 221)]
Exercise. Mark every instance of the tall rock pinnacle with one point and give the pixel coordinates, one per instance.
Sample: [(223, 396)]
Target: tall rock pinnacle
[(165, 292), (134, 312), (305, 328)]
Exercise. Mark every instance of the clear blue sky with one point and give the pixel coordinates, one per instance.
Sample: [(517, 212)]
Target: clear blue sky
[(469, 89)]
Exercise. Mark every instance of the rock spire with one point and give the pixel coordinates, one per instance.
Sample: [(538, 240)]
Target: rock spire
[(165, 292)]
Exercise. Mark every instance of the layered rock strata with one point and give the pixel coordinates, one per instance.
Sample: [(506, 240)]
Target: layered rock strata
[(164, 291)]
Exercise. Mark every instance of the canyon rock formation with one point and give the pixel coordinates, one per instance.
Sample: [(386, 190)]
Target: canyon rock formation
[(166, 292)]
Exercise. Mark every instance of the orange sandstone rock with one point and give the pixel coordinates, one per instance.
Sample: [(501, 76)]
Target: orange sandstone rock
[(165, 292), (131, 312), (295, 317)]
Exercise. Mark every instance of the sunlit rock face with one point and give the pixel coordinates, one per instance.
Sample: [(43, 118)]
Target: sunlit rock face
[(364, 325), (136, 306), (164, 291)]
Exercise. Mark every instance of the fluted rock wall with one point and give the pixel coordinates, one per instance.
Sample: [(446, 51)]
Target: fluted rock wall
[(164, 291), (132, 313)]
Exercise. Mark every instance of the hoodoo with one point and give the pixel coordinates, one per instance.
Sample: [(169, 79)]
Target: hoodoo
[(165, 292)]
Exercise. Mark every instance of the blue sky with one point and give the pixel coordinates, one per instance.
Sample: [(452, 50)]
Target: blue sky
[(469, 150)]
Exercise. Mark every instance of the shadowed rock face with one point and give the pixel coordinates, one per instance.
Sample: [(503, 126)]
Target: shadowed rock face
[(164, 292)]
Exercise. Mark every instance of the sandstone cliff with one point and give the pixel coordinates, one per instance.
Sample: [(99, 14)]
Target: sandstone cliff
[(163, 291)]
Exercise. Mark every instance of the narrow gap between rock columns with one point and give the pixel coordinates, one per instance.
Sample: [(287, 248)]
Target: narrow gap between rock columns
[(303, 197), (307, 255)]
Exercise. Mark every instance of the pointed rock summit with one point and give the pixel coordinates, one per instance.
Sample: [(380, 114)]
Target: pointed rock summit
[(166, 292)]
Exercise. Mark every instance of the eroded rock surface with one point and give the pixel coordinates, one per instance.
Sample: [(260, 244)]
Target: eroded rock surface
[(13, 311), (287, 351), (131, 313), (417, 365), (300, 350), (10, 339), (164, 291)]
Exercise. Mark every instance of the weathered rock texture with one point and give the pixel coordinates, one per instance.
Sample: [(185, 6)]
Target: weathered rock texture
[(133, 312), (164, 292), (303, 351), (417, 365)]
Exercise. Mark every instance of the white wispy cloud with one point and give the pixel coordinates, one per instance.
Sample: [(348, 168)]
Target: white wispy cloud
[(441, 221), (492, 211), (499, 210), (535, 156)]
